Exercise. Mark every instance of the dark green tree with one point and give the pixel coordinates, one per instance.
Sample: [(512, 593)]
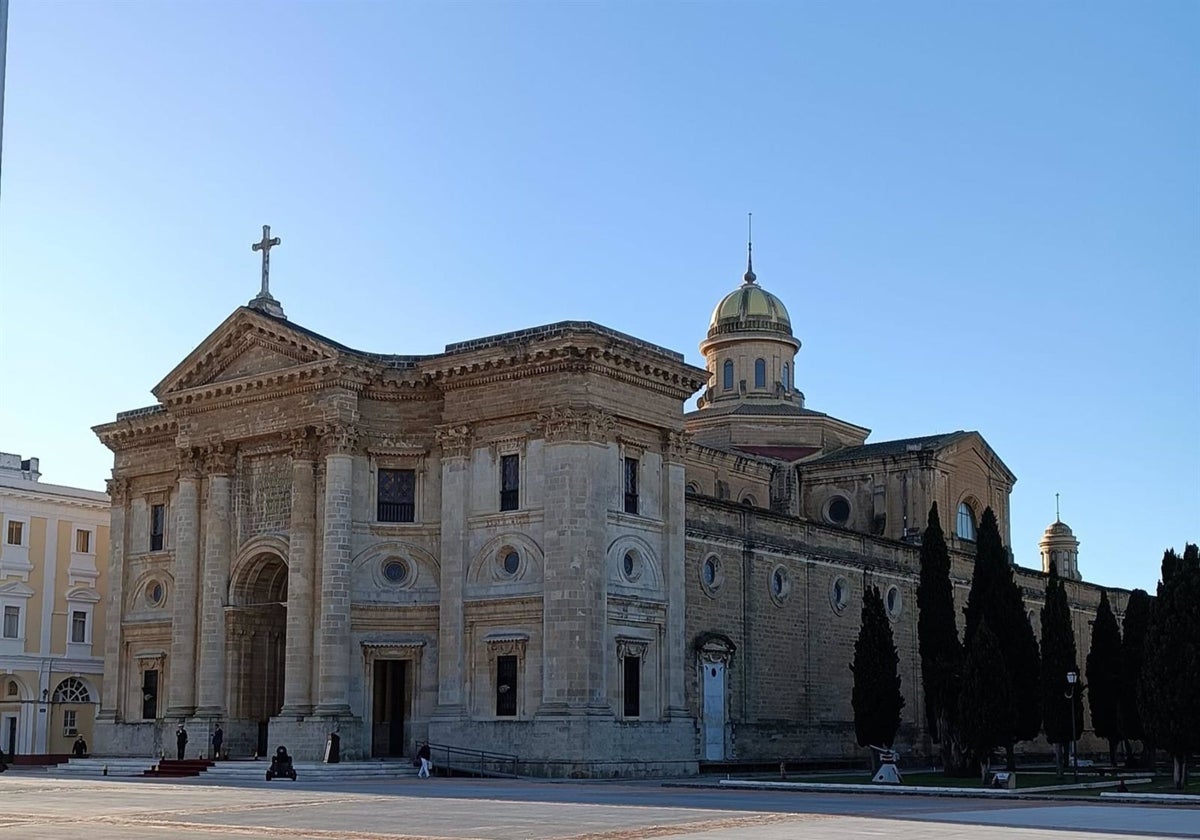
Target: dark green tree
[(985, 706), (876, 694), (937, 638), (1059, 657), (1169, 693), (996, 598), (1104, 672), (1137, 617)]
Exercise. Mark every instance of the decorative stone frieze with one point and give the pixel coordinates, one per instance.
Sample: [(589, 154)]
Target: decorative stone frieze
[(576, 424), (627, 646), (507, 644)]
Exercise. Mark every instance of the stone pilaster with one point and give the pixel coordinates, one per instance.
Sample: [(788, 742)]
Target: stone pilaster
[(455, 443), (577, 461), (118, 491), (212, 675), (298, 699), (333, 685), (181, 685), (674, 495)]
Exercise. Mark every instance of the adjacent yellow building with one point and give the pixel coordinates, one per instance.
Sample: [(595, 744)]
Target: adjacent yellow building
[(53, 568)]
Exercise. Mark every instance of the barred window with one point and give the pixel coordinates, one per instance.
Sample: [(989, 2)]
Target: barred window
[(158, 526), (510, 482), (631, 485), (397, 497), (506, 686)]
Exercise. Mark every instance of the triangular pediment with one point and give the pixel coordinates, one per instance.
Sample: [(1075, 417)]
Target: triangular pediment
[(16, 589), (247, 345)]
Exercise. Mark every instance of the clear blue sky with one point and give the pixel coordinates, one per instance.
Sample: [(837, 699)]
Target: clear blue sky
[(980, 215)]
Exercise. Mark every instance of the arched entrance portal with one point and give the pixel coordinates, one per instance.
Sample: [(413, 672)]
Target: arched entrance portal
[(257, 628)]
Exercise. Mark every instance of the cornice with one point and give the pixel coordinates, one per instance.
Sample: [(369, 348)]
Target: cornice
[(142, 430)]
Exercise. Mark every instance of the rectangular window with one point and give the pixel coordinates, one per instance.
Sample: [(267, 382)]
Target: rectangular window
[(633, 686), (506, 686), (397, 496), (631, 485), (78, 626), (158, 524), (149, 694), (69, 722), (83, 542), (12, 622), (16, 533), (510, 482)]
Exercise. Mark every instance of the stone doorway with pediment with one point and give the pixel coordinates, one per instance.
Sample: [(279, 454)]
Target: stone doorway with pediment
[(392, 671), (256, 625)]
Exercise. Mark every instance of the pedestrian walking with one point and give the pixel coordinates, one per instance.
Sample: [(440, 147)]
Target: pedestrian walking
[(426, 763), (218, 738)]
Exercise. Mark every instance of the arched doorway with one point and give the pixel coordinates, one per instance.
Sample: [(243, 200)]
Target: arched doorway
[(257, 637)]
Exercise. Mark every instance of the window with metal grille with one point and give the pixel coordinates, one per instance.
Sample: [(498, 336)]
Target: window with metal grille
[(149, 694), (78, 626), (506, 686), (510, 482), (397, 497), (633, 686), (158, 526), (631, 485)]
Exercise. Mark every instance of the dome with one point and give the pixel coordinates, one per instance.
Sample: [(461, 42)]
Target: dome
[(1059, 529), (749, 308)]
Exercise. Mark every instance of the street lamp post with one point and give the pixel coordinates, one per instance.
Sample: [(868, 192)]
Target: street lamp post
[(1072, 677)]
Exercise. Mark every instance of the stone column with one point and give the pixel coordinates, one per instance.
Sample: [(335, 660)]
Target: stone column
[(218, 545), (455, 442), (297, 681), (181, 685), (674, 495), (334, 682), (118, 491), (581, 476)]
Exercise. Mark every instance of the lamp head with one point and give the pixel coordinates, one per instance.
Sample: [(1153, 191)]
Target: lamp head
[(1072, 677)]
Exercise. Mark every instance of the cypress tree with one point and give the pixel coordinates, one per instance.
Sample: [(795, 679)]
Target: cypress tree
[(1104, 674), (876, 694), (996, 599), (1058, 657), (1170, 686), (985, 703), (1137, 617), (937, 635)]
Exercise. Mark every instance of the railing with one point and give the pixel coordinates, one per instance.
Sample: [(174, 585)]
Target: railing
[(473, 762)]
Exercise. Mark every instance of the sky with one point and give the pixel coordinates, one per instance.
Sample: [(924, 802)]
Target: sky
[(980, 215)]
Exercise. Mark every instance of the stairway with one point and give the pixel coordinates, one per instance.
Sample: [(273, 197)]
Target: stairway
[(174, 769)]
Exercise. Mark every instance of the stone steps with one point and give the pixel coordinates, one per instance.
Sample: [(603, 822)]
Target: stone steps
[(101, 767), (230, 771)]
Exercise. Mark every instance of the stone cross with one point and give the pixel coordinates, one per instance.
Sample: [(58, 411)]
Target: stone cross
[(265, 246)]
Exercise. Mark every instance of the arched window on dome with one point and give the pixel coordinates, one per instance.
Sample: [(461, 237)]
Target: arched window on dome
[(966, 522), (760, 373), (787, 384), (727, 376)]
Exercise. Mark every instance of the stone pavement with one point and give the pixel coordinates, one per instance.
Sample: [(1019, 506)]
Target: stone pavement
[(41, 808)]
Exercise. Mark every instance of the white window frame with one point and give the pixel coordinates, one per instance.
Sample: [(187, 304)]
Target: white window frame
[(70, 723), (14, 557), (84, 600), (91, 549), (20, 629)]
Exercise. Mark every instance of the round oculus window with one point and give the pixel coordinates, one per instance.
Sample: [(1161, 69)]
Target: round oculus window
[(630, 565), (155, 593), (781, 584), (893, 602), (839, 510), (839, 595), (710, 571), (511, 562), (394, 571)]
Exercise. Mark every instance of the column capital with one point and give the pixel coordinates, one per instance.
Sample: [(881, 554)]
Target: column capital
[(568, 423), (675, 445), (118, 490), (303, 443), (219, 459), (454, 439), (338, 439), (189, 461)]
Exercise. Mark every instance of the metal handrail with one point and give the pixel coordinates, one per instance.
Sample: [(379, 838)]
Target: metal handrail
[(476, 762)]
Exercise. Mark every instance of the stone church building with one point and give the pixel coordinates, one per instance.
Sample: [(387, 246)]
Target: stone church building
[(524, 544)]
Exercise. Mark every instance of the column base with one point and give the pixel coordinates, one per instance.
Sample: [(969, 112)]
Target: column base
[(179, 712), (209, 712), (298, 712), (332, 710)]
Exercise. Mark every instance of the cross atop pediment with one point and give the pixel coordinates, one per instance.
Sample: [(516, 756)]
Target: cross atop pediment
[(263, 301)]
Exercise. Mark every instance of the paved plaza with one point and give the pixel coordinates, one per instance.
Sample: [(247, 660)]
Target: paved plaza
[(34, 807)]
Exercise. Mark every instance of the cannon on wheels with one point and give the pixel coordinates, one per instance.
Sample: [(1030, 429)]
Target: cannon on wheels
[(281, 765)]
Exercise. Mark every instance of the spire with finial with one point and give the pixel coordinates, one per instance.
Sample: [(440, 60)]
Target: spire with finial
[(1057, 515), (749, 276)]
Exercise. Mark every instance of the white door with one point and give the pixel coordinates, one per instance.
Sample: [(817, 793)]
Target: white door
[(714, 710)]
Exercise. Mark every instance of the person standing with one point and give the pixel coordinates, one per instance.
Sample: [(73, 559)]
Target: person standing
[(181, 739), (426, 763), (79, 748), (218, 738)]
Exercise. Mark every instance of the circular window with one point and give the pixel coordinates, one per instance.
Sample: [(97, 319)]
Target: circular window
[(893, 602), (711, 574), (631, 565), (837, 510), (781, 584), (394, 571), (156, 593), (511, 562), (839, 595)]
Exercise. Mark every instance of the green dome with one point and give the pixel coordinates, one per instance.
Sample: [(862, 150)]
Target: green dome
[(749, 308)]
